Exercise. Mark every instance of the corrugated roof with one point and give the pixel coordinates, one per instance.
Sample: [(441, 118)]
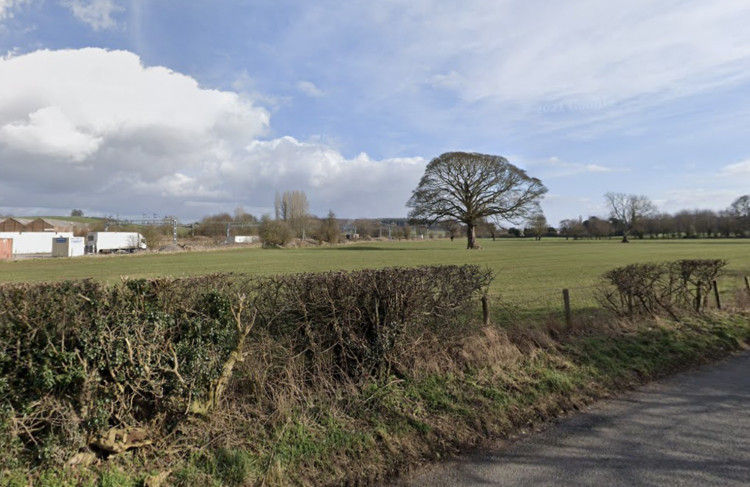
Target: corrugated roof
[(22, 221), (58, 223)]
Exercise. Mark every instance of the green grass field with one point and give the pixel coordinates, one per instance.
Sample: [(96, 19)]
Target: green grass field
[(529, 274)]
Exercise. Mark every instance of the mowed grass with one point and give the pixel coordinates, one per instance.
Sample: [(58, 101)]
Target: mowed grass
[(529, 274)]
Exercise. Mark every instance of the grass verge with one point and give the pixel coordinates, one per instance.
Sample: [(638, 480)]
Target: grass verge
[(489, 382)]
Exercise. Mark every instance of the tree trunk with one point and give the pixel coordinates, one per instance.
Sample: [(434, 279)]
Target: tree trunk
[(625, 238), (471, 236)]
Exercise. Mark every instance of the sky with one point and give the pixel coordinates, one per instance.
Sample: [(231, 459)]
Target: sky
[(191, 108)]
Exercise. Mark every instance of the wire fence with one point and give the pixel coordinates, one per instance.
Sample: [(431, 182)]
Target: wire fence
[(731, 290)]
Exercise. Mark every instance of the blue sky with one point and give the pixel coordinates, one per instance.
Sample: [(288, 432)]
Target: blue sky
[(189, 108)]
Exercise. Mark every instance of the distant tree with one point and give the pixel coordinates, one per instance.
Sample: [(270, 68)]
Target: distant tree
[(213, 225), (329, 229), (453, 229), (406, 232), (367, 228), (76, 212), (152, 235), (597, 228), (293, 208), (470, 187), (538, 225), (628, 210), (706, 222), (244, 223), (486, 229), (572, 228), (728, 224), (740, 208), (274, 232)]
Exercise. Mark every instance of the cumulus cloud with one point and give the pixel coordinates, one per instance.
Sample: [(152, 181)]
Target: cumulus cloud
[(358, 186), (95, 13), (98, 130)]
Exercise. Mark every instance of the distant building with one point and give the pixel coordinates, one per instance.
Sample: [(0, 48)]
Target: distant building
[(35, 225), (14, 224)]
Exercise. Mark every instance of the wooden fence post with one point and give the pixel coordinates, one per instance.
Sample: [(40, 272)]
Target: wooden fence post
[(716, 295), (485, 310), (747, 284), (566, 303)]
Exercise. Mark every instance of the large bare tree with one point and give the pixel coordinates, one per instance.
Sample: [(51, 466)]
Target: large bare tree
[(629, 210), (471, 187)]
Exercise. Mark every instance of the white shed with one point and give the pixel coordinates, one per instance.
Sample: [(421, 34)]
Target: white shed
[(68, 246)]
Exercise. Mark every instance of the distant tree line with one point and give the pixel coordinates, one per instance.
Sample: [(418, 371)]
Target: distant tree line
[(631, 216), (647, 222)]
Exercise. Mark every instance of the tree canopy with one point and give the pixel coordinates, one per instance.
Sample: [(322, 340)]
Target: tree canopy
[(472, 187)]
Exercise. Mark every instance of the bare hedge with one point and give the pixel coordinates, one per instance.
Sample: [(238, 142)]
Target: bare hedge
[(80, 359), (660, 288)]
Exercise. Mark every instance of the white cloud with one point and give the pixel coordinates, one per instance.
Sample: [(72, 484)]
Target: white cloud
[(49, 131), (96, 129), (554, 167), (676, 200), (580, 62), (358, 186), (96, 13), (309, 89), (587, 54), (8, 6), (736, 169)]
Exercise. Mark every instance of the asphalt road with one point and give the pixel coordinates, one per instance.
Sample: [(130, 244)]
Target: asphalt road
[(692, 429)]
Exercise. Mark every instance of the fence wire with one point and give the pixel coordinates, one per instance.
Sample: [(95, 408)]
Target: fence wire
[(547, 302)]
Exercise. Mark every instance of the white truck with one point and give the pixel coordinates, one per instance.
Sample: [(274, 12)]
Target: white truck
[(114, 242)]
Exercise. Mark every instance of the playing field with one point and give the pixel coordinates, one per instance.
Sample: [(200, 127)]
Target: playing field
[(529, 274)]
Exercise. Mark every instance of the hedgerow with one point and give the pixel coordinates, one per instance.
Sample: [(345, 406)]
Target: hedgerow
[(90, 367), (660, 288)]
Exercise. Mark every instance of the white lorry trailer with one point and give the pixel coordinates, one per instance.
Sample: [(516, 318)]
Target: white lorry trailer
[(111, 242)]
